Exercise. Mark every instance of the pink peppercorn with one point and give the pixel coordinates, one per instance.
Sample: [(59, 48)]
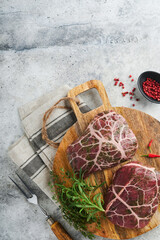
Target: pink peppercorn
[(134, 89)]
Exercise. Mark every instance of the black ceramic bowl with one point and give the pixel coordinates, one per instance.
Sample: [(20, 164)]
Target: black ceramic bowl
[(143, 77)]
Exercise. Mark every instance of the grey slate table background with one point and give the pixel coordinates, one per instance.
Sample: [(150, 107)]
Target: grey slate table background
[(45, 44)]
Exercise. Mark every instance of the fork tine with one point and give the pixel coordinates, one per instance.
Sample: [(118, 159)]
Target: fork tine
[(19, 187), (25, 184)]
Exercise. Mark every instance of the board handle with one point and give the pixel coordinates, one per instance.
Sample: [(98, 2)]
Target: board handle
[(84, 118)]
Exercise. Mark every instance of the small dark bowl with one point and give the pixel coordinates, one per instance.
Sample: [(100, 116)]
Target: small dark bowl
[(143, 77)]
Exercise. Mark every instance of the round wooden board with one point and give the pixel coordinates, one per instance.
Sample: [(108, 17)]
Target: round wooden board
[(145, 128)]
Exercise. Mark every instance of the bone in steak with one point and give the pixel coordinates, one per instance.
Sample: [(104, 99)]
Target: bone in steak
[(133, 197), (106, 142)]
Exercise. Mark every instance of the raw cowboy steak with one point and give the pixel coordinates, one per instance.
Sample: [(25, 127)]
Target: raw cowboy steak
[(106, 142), (133, 197)]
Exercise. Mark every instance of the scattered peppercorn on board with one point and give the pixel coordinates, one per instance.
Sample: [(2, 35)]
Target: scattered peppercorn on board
[(144, 127)]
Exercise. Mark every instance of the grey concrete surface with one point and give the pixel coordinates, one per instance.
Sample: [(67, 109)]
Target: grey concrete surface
[(45, 44)]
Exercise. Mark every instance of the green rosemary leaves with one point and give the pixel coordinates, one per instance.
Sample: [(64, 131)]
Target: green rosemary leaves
[(79, 203)]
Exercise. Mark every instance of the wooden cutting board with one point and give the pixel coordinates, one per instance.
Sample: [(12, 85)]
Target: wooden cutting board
[(144, 127)]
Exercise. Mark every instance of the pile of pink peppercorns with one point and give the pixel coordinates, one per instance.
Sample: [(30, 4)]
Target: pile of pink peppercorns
[(152, 89), (132, 94)]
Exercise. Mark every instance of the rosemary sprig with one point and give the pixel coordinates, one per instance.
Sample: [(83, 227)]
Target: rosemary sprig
[(79, 203)]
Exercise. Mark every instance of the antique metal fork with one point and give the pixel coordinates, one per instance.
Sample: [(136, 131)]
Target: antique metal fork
[(56, 227)]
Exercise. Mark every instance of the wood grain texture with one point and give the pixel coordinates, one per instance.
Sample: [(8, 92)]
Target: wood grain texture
[(144, 127), (60, 232)]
